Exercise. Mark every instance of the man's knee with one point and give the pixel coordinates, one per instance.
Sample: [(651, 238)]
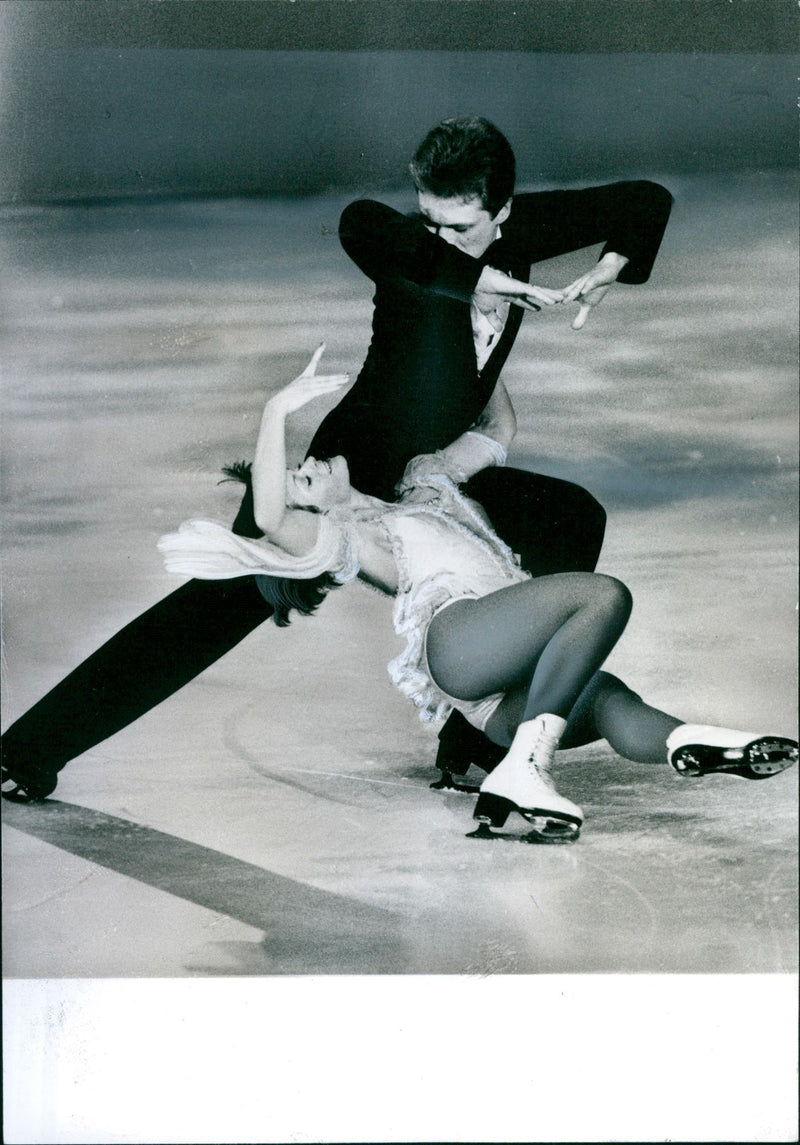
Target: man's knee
[(554, 525)]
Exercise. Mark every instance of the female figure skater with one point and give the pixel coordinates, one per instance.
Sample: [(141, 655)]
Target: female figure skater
[(519, 657)]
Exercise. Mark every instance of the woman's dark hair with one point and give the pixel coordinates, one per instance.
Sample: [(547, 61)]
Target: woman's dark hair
[(283, 593), (465, 158)]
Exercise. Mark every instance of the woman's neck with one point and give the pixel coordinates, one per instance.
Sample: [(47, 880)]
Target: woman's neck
[(364, 501)]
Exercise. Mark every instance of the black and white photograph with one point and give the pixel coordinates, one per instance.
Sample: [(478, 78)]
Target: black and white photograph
[(399, 562)]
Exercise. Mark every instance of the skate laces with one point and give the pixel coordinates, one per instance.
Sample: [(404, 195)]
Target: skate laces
[(540, 757)]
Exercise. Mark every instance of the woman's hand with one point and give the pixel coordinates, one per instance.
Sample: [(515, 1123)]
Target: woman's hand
[(307, 386)]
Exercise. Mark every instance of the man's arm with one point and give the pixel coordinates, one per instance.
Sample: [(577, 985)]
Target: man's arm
[(484, 444), (383, 243), (628, 218), (498, 420)]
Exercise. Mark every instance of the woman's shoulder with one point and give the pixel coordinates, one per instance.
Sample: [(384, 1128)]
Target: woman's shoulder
[(298, 532)]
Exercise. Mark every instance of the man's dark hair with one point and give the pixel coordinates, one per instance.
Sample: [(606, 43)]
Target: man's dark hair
[(283, 593), (465, 158)]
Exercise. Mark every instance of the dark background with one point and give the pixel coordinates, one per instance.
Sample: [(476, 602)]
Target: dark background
[(273, 97)]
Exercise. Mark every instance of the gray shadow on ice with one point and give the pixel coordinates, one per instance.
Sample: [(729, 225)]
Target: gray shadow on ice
[(306, 930)]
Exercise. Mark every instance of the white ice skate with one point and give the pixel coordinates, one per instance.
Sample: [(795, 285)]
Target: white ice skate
[(698, 749), (522, 782)]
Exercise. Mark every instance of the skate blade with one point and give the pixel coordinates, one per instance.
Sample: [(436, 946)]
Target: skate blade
[(770, 755), (544, 831), (447, 783), (760, 759)]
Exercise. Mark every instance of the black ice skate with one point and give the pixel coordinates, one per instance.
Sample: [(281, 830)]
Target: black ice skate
[(30, 788)]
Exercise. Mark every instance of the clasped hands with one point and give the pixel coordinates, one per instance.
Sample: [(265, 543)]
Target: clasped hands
[(495, 287)]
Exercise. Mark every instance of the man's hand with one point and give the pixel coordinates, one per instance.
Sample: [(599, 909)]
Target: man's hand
[(591, 288), (494, 287)]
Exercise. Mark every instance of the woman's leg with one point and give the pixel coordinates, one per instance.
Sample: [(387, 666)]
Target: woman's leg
[(608, 709), (544, 639), (541, 641), (555, 526)]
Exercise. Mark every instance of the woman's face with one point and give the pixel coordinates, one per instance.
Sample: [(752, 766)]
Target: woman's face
[(318, 484)]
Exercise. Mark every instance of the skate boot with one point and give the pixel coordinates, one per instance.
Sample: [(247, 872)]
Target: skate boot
[(522, 782), (460, 746), (30, 788), (697, 749)]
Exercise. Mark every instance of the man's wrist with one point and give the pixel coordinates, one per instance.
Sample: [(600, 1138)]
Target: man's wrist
[(614, 261), (490, 281)]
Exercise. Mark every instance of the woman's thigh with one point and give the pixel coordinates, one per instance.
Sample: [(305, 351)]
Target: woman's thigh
[(477, 647)]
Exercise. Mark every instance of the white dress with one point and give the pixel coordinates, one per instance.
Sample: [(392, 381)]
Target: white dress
[(442, 543)]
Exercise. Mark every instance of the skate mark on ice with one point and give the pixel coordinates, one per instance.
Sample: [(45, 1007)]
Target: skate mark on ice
[(249, 759), (775, 935), (650, 909), (316, 930), (494, 957), (34, 904), (359, 778), (281, 778), (535, 903)]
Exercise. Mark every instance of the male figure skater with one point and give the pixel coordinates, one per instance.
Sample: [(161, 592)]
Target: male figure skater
[(450, 290)]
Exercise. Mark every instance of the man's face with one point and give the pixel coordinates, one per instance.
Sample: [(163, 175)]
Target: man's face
[(464, 223)]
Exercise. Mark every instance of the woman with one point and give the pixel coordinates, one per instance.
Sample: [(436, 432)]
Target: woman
[(519, 657)]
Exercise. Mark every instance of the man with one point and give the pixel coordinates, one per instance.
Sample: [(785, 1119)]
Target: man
[(446, 316), (451, 288)]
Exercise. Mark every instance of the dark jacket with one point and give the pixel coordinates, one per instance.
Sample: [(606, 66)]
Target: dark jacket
[(420, 386)]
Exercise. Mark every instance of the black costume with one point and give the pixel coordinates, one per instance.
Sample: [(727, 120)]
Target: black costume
[(418, 390)]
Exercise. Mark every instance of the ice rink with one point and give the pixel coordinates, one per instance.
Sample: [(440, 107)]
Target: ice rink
[(275, 816)]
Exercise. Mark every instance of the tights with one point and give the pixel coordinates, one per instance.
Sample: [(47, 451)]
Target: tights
[(608, 709), (542, 643)]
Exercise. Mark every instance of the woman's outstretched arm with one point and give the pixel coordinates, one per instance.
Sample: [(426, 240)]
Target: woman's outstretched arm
[(294, 530)]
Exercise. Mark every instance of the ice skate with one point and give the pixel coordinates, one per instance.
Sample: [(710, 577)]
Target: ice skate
[(698, 749), (522, 782), (447, 782), (18, 788), (461, 749)]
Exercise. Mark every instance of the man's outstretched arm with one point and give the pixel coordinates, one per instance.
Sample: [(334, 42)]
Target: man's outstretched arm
[(628, 218)]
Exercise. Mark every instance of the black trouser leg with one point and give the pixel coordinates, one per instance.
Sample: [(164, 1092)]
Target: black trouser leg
[(143, 664), (555, 526)]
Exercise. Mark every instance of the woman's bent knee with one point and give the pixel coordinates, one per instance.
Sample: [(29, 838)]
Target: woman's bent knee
[(609, 591)]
